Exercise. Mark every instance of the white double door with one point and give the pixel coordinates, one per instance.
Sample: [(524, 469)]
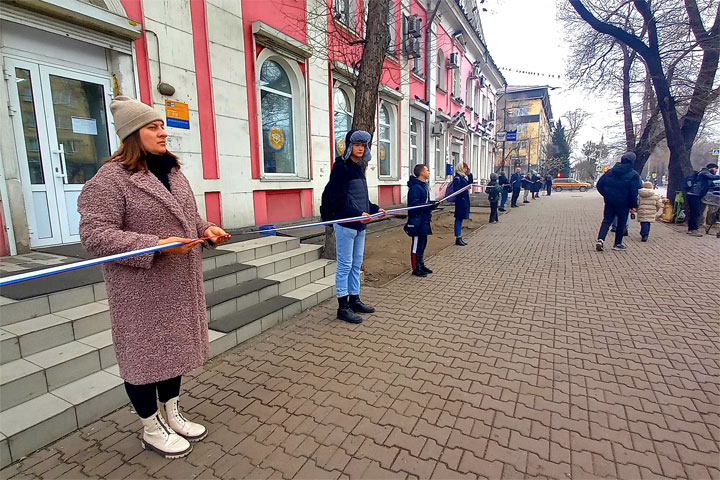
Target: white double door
[(63, 131)]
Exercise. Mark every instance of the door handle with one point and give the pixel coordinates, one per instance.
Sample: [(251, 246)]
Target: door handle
[(61, 172)]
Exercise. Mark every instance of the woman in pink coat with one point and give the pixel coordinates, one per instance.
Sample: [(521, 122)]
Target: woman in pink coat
[(139, 198)]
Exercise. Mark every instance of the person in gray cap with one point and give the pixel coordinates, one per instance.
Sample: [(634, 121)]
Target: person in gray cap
[(619, 188), (348, 197), (139, 198), (702, 182)]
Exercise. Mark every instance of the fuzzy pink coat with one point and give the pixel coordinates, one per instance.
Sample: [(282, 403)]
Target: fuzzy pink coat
[(157, 303)]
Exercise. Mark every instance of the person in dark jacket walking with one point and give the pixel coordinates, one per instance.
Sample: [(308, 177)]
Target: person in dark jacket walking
[(418, 222), (462, 179), (619, 187), (516, 183), (506, 189), (348, 194), (493, 191), (703, 182), (548, 184)]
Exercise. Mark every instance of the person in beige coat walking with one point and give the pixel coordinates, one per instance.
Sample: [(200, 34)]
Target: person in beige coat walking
[(650, 206), (139, 198)]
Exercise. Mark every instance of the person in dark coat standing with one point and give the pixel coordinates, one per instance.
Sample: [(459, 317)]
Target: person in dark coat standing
[(348, 192), (493, 191), (703, 182), (516, 183), (418, 222), (548, 184), (536, 185), (527, 186), (462, 179), (506, 189), (619, 187), (140, 198)]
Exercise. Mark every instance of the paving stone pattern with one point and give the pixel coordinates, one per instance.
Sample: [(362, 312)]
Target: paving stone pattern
[(526, 355)]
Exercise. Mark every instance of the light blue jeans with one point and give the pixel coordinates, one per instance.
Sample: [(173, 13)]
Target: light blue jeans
[(349, 249)]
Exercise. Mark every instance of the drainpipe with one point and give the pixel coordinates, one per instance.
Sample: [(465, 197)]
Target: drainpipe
[(428, 63)]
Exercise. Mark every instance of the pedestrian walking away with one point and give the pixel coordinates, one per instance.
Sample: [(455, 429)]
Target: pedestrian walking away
[(619, 187), (516, 183), (493, 190), (536, 185), (506, 189), (462, 179), (418, 222), (650, 206), (348, 197), (139, 198), (701, 184), (548, 184)]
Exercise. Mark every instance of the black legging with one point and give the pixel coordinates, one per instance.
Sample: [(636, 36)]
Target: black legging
[(144, 397)]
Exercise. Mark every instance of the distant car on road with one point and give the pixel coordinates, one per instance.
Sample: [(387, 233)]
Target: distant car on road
[(560, 184)]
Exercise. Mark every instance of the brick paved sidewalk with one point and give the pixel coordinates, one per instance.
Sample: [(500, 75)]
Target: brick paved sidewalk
[(525, 355)]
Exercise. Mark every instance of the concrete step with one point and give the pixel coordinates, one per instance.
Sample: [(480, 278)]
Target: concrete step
[(295, 278), (25, 300), (314, 293), (279, 262)]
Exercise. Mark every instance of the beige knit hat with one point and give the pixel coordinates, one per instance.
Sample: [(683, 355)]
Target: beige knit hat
[(131, 115)]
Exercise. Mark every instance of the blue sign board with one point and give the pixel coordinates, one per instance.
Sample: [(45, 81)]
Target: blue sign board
[(511, 135)]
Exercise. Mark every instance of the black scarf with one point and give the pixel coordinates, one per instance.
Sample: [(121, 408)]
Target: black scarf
[(160, 166)]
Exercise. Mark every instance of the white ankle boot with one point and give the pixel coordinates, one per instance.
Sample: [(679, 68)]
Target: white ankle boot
[(182, 426), (158, 436)]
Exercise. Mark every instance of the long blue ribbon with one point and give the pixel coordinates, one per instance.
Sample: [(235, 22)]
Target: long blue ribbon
[(97, 261)]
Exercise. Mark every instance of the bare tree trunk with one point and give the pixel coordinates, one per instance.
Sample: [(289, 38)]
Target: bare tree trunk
[(329, 250), (375, 47), (627, 105)]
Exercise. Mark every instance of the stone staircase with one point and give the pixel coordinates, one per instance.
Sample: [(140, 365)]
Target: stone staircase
[(58, 370)]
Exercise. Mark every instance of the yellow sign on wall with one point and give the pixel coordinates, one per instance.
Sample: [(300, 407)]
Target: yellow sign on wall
[(177, 114)]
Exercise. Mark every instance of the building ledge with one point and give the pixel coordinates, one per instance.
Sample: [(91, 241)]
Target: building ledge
[(273, 38)]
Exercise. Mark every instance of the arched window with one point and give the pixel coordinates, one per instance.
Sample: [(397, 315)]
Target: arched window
[(441, 70), (276, 105), (342, 118), (468, 92), (456, 83), (385, 134)]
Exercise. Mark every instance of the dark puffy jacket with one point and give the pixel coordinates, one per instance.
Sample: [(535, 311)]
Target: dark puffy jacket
[(703, 182), (462, 201), (504, 182), (348, 191), (526, 182), (620, 185), (516, 181), (418, 222), (536, 183)]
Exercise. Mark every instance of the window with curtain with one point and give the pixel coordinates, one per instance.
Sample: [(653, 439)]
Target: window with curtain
[(441, 70), (391, 27), (468, 92), (477, 105), (385, 142), (456, 83), (416, 142), (342, 119), (440, 157), (344, 11), (276, 107)]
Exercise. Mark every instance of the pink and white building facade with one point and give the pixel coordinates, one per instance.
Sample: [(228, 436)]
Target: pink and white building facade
[(258, 97)]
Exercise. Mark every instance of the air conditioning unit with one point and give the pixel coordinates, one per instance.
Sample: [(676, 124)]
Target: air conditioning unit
[(453, 61), (477, 68), (413, 26), (438, 128), (413, 47)]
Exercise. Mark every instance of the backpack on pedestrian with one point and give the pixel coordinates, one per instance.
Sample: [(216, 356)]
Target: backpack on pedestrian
[(689, 181), (450, 189), (493, 194), (326, 211)]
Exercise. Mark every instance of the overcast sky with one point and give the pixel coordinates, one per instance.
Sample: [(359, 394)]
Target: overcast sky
[(524, 35)]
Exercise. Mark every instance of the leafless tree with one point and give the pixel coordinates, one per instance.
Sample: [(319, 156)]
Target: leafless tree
[(574, 121), (668, 37)]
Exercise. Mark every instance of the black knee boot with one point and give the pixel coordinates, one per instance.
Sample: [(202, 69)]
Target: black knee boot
[(345, 312)]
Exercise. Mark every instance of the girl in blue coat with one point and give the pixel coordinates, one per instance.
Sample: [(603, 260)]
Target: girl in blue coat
[(462, 179)]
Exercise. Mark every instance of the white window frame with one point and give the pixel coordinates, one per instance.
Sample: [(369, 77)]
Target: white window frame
[(419, 138), (391, 26), (350, 94), (456, 85), (392, 151), (347, 17), (468, 92), (441, 81), (300, 127), (440, 160)]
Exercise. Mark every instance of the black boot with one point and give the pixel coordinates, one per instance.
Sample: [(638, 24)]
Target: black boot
[(345, 312), (423, 268), (419, 273), (459, 241), (357, 306)]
